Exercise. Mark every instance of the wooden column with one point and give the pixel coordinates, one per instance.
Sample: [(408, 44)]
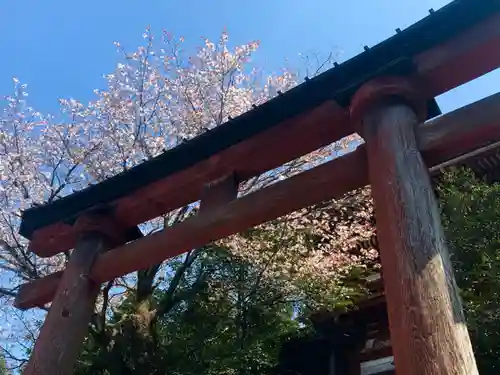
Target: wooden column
[(62, 334), (428, 331)]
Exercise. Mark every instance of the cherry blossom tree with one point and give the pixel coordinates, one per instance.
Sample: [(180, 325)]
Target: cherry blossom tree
[(158, 97)]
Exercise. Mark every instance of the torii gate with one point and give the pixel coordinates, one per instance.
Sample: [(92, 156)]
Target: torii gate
[(384, 94)]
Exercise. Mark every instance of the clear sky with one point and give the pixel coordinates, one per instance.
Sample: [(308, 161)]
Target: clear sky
[(62, 48)]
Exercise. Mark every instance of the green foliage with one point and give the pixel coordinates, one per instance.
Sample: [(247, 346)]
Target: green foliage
[(220, 311), (230, 322), (471, 218), (3, 366)]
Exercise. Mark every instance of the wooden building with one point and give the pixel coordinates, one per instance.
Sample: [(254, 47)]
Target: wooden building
[(372, 353), (387, 94), (375, 355)]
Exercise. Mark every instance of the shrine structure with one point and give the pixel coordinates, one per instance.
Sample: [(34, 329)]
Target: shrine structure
[(387, 95)]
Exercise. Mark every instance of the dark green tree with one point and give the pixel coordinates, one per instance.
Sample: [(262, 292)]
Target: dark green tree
[(224, 318), (471, 218), (226, 308), (3, 366)]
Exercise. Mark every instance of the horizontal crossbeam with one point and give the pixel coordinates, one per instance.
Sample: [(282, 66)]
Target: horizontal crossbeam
[(439, 140), (472, 53)]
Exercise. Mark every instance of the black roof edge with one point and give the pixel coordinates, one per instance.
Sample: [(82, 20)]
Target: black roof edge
[(393, 56)]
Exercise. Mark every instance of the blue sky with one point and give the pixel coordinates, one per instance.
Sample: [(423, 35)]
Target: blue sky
[(62, 48)]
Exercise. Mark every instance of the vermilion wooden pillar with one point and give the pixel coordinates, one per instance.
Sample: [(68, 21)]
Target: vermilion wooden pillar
[(61, 337), (428, 331)]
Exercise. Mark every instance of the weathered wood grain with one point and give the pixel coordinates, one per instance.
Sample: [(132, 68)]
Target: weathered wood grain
[(425, 314), (61, 337)]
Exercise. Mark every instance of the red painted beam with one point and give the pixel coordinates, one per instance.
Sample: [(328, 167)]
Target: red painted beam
[(462, 59), (247, 159), (468, 56), (253, 209), (39, 292), (440, 139), (460, 131)]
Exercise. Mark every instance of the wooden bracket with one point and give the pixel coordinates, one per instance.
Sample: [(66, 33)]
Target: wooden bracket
[(219, 192)]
